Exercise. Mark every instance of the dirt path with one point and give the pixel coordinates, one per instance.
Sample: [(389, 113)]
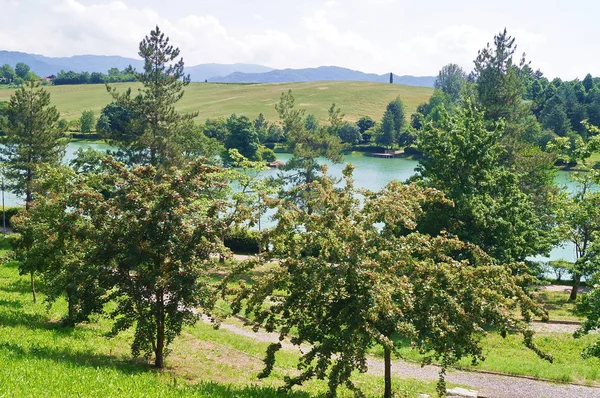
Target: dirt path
[(488, 385)]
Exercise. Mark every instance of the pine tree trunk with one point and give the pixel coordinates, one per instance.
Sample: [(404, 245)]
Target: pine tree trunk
[(576, 283), (387, 372), (31, 274)]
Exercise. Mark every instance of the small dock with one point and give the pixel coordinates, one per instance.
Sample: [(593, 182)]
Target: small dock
[(388, 154)]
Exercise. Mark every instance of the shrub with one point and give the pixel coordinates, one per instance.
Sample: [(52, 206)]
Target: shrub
[(268, 155), (243, 240), (9, 211)]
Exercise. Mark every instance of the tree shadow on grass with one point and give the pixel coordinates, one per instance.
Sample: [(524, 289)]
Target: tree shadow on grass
[(212, 389), (10, 303), (16, 317), (76, 358)]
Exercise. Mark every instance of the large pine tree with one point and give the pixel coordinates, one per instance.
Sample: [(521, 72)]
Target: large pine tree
[(155, 133), (32, 138)]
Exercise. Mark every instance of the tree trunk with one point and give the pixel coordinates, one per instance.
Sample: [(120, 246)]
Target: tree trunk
[(576, 283), (387, 372), (160, 334), (33, 287)]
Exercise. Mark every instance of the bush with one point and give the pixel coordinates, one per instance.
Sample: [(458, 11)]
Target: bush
[(411, 150), (243, 240), (87, 121), (9, 213), (268, 155)]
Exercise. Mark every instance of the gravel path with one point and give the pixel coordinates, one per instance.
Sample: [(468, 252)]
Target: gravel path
[(488, 385)]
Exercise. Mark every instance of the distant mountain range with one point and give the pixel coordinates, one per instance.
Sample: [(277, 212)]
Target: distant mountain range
[(319, 74), (221, 73)]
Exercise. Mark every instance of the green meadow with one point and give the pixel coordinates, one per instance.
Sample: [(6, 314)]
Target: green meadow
[(213, 100)]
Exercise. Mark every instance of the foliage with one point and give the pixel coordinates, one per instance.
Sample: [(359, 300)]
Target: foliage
[(365, 123), (451, 80), (350, 281), (87, 121), (387, 133), (350, 133), (243, 240), (53, 242), (113, 76), (7, 73), (155, 129), (581, 218), (21, 70), (462, 158), (305, 145), (242, 135), (32, 138), (499, 84), (589, 306), (153, 235)]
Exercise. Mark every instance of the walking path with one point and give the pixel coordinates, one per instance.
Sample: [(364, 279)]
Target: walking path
[(488, 385)]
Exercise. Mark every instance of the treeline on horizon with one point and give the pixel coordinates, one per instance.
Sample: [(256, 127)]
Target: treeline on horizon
[(22, 73)]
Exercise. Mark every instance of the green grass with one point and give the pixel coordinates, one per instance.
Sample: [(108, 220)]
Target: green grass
[(355, 99), (42, 358), (558, 305)]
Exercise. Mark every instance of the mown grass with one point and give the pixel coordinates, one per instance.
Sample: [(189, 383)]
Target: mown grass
[(42, 358), (355, 99)]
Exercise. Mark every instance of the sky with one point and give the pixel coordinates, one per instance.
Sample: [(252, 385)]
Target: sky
[(377, 36)]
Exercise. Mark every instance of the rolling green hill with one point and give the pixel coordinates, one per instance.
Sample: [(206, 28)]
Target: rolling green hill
[(355, 99)]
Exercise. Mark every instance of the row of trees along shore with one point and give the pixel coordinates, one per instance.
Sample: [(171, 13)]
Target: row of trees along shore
[(435, 261)]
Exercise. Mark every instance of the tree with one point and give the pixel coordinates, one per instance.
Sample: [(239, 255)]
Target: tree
[(153, 235), (462, 158), (311, 122), (499, 84), (396, 108), (87, 121), (391, 78), (387, 135), (22, 69), (346, 281), (365, 123), (306, 147), (53, 242), (588, 82), (350, 133), (451, 80), (32, 139), (581, 227), (8, 73), (155, 136), (243, 137)]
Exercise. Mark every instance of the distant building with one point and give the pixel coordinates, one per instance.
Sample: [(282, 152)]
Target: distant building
[(48, 78)]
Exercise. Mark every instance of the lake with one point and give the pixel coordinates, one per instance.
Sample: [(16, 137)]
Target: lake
[(370, 173)]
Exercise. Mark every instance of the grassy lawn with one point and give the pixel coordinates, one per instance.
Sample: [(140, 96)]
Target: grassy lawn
[(355, 99), (558, 305), (48, 360)]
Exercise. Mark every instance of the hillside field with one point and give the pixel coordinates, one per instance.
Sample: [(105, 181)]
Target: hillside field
[(213, 100)]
